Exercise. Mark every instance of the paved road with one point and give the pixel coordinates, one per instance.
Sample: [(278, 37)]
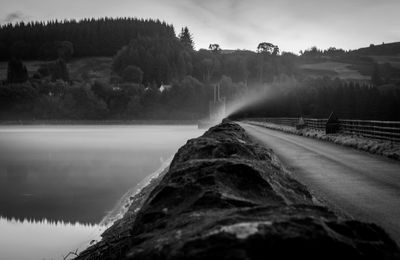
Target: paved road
[(363, 186)]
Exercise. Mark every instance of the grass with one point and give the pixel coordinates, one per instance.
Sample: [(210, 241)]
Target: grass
[(393, 60), (94, 68), (335, 69)]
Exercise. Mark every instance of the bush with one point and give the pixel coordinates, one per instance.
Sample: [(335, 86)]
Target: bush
[(132, 74)]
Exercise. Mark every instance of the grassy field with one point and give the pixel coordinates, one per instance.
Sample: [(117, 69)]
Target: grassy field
[(393, 60), (98, 68), (333, 69)]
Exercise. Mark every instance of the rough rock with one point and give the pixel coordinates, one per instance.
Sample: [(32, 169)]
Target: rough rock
[(224, 197)]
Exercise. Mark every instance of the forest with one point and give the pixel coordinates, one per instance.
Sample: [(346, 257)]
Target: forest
[(90, 37), (157, 74)]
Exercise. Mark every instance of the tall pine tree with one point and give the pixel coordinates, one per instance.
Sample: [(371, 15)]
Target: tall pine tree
[(186, 38)]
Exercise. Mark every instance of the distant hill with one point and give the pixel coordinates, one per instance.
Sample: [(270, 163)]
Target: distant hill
[(89, 37), (382, 49)]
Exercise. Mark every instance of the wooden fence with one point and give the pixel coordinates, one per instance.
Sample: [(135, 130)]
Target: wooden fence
[(385, 130)]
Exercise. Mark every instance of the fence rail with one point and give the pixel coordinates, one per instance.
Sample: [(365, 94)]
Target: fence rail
[(385, 130)]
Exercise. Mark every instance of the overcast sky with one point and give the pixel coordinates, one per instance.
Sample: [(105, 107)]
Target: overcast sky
[(239, 24)]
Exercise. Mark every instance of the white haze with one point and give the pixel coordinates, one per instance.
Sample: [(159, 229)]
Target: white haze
[(260, 93)]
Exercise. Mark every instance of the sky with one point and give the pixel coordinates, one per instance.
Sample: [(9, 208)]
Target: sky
[(293, 25)]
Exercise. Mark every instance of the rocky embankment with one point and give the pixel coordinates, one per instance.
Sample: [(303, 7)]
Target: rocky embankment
[(224, 197)]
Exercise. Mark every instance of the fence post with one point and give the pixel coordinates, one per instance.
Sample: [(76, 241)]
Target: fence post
[(332, 125)]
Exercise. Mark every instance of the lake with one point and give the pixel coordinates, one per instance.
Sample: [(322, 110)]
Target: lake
[(57, 183)]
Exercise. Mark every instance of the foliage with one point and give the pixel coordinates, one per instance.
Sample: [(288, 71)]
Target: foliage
[(160, 58), (132, 74), (65, 49), (59, 70), (186, 38), (214, 47), (89, 37), (16, 71), (317, 98), (148, 54), (269, 48)]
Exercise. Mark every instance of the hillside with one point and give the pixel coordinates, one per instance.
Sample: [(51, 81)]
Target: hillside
[(356, 65), (333, 69), (87, 37), (385, 49)]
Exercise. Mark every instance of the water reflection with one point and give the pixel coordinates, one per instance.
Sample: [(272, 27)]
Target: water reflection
[(30, 239), (72, 174)]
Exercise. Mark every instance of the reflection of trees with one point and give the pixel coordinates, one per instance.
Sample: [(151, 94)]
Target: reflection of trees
[(44, 221)]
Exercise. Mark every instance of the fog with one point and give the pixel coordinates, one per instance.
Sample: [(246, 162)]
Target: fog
[(258, 95)]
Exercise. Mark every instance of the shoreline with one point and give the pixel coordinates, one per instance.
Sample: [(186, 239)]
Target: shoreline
[(133, 195), (135, 198)]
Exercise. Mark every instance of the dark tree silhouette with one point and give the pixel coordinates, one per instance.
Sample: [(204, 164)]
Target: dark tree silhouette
[(65, 49), (267, 48), (16, 72), (214, 47), (186, 38), (376, 78), (132, 74), (59, 70), (89, 37)]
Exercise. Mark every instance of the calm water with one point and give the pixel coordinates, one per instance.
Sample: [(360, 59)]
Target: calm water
[(58, 182)]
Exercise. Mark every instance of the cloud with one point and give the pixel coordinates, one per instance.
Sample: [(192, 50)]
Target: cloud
[(15, 17)]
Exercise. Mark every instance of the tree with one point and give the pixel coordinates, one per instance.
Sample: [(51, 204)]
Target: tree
[(268, 48), (312, 52), (65, 49), (376, 76), (16, 71), (157, 57), (59, 70), (214, 47), (90, 37), (186, 38), (132, 74), (207, 68)]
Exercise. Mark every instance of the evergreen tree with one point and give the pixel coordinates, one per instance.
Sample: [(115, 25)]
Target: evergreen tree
[(84, 38), (186, 38)]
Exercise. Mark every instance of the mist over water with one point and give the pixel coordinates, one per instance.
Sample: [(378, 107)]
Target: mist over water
[(58, 182)]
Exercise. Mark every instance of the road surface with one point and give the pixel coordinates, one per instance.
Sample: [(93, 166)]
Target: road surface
[(363, 186)]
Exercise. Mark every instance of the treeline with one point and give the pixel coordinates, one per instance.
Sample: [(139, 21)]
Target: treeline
[(184, 99), (89, 37), (317, 98), (164, 59), (158, 75)]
